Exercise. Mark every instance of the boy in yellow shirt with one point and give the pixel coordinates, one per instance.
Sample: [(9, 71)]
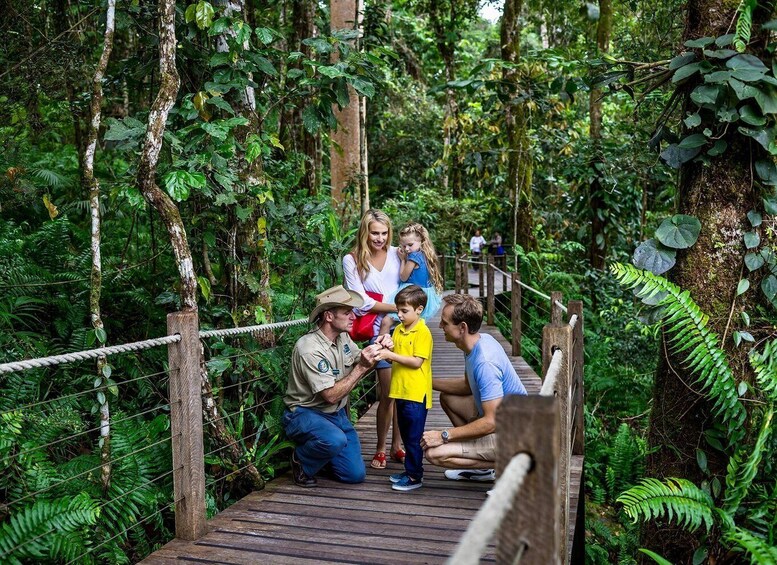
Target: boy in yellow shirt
[(411, 382)]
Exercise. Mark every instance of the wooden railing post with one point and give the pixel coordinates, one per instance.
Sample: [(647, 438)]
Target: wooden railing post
[(464, 275), (186, 426), (554, 338), (556, 314), (457, 273), (578, 400), (481, 279), (441, 260), (529, 424), (515, 313), (491, 291)]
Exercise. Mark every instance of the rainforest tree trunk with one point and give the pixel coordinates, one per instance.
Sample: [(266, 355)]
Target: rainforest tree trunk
[(519, 162), (345, 153), (92, 185), (597, 202), (719, 195)]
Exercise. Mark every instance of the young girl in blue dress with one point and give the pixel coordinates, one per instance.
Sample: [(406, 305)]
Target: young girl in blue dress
[(418, 265)]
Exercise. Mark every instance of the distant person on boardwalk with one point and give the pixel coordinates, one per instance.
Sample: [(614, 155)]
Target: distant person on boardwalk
[(468, 449), (418, 266), (496, 249), (411, 382), (372, 268), (325, 366), (476, 244)]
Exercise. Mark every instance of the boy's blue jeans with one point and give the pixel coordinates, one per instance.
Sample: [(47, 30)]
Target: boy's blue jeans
[(412, 419), (325, 438)]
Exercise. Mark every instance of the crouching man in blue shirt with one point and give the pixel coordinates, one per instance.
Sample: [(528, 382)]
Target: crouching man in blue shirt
[(468, 448)]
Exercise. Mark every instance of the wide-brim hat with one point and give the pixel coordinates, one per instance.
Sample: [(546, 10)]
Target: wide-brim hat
[(334, 297)]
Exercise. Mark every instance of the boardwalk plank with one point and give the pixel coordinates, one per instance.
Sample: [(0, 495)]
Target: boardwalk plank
[(365, 523)]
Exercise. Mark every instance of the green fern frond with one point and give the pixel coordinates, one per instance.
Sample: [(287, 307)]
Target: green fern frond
[(686, 326), (759, 550), (740, 475), (41, 531), (765, 366), (744, 24), (676, 498)]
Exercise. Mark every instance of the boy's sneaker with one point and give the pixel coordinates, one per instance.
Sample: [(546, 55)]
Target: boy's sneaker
[(480, 475), (406, 483), (397, 477)]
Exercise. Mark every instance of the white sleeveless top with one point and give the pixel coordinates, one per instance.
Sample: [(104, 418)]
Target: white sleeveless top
[(384, 282)]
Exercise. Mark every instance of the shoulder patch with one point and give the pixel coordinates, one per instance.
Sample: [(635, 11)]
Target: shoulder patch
[(323, 366), (346, 348)]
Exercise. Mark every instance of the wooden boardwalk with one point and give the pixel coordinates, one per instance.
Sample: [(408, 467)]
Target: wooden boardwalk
[(365, 523)]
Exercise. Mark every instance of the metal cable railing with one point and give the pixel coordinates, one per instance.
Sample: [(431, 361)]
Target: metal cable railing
[(87, 472), (77, 394)]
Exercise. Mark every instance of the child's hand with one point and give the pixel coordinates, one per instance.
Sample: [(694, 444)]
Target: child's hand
[(402, 253)]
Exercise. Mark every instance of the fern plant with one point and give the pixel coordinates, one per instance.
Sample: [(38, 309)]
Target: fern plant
[(686, 326), (678, 499)]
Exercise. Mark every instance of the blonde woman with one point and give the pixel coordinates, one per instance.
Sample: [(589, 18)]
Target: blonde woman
[(373, 267)]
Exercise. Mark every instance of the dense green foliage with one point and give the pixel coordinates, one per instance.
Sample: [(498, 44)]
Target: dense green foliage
[(264, 243)]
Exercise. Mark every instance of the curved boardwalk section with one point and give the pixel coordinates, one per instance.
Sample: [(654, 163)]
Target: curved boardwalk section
[(366, 523)]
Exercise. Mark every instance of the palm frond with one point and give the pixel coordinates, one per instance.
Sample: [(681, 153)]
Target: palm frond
[(686, 326), (676, 499)]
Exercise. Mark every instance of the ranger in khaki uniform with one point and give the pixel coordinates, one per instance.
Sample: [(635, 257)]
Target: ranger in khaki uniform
[(325, 366)]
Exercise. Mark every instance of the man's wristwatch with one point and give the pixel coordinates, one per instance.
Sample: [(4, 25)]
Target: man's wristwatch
[(445, 436)]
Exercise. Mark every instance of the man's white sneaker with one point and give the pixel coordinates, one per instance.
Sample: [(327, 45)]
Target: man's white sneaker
[(480, 475)]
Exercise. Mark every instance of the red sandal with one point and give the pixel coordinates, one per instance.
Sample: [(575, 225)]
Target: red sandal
[(398, 456), (379, 460)]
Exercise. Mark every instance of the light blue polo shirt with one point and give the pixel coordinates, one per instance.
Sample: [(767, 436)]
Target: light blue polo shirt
[(490, 373)]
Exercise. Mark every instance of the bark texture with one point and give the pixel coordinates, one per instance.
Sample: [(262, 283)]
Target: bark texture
[(91, 184), (719, 195), (519, 159), (597, 202), (346, 153)]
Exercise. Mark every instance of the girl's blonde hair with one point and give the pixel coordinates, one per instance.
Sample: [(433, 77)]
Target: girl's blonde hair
[(427, 248), (361, 251)]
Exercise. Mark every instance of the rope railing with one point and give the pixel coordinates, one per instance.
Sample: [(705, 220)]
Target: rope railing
[(549, 384), (86, 355), (252, 329), (490, 516)]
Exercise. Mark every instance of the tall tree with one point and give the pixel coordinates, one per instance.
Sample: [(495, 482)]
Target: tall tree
[(720, 193), (519, 162), (599, 212), (90, 182), (447, 18), (171, 217), (350, 194)]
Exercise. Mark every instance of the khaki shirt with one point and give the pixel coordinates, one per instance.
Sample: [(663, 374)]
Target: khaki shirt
[(316, 365)]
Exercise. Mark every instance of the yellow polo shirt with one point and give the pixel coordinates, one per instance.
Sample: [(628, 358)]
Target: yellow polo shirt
[(407, 383)]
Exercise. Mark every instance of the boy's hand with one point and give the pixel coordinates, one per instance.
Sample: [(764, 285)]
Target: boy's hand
[(385, 340)]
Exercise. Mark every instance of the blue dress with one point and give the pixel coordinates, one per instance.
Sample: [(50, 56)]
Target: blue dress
[(420, 276)]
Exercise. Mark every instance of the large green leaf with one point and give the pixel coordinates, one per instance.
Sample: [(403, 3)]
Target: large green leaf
[(679, 231), (654, 257), (675, 157)]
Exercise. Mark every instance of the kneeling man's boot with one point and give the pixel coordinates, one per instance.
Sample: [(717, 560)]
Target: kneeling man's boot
[(300, 478)]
